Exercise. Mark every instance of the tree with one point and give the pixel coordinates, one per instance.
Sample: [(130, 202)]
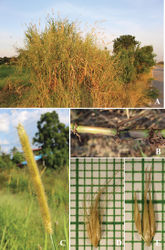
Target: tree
[(14, 150), (144, 59), (53, 138), (131, 59), (17, 157), (5, 161), (124, 42), (124, 64)]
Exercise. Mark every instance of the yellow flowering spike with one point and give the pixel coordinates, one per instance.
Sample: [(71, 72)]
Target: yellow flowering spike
[(137, 217), (36, 179)]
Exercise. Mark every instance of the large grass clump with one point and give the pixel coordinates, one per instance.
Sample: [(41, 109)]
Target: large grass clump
[(66, 68)]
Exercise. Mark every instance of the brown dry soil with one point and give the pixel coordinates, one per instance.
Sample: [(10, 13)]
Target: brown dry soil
[(113, 146)]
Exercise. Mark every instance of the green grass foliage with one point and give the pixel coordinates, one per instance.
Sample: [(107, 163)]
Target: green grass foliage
[(12, 83)]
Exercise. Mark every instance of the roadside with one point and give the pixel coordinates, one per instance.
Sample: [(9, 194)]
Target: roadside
[(158, 82)]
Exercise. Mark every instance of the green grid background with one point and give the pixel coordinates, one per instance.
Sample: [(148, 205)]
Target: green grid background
[(135, 181), (87, 176)]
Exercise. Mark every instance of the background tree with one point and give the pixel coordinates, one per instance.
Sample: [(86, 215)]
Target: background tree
[(125, 66), (53, 138), (5, 161), (144, 59), (124, 42), (17, 157), (131, 59)]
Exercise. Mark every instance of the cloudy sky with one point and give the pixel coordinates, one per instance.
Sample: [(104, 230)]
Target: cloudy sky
[(141, 18), (9, 119)]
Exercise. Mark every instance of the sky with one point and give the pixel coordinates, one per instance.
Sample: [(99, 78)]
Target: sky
[(28, 118), (141, 18)]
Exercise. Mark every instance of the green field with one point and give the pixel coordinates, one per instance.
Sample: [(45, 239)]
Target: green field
[(9, 73), (20, 219), (12, 82)]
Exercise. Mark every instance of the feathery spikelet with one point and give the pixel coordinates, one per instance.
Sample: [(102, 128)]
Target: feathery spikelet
[(94, 221), (93, 218), (35, 176)]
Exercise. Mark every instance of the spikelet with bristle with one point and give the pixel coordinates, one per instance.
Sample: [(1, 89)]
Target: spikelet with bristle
[(146, 223), (146, 218), (152, 217), (137, 217), (94, 221), (36, 179), (149, 226)]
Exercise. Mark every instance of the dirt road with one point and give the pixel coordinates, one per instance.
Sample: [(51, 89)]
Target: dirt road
[(158, 74)]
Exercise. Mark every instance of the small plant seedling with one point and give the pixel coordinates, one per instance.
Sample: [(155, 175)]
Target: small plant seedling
[(147, 230)]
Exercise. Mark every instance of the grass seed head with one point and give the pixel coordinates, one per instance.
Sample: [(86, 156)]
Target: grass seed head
[(36, 179)]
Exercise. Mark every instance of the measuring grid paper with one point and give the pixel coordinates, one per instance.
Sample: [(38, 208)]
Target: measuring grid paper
[(135, 182), (87, 176)]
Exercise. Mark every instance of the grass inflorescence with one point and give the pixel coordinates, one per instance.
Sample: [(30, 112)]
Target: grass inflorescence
[(35, 176)]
